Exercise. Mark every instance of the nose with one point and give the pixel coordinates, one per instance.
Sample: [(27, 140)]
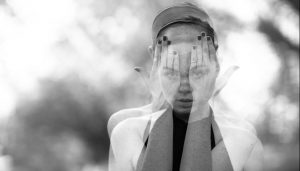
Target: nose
[(184, 86)]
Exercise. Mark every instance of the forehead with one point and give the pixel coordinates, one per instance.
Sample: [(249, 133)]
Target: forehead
[(182, 32), (182, 36)]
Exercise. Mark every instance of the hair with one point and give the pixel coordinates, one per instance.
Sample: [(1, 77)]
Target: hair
[(210, 31)]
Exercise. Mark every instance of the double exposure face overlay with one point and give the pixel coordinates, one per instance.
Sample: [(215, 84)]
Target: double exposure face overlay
[(188, 66)]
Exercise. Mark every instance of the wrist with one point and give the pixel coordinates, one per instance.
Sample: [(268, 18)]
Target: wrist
[(199, 111)]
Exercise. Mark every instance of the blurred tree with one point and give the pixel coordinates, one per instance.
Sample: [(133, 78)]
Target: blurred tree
[(285, 86), (293, 4), (65, 127)]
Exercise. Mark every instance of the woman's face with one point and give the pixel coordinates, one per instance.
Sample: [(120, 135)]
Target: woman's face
[(174, 70)]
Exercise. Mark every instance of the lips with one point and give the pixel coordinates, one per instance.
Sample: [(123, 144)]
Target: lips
[(185, 100), (186, 103)]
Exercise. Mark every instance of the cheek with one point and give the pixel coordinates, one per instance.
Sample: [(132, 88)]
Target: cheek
[(169, 86), (202, 82), (203, 87)]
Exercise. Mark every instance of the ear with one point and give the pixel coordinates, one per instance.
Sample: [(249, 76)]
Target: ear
[(223, 79), (151, 51)]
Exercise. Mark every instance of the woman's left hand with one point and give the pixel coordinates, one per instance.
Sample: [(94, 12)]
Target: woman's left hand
[(204, 69)]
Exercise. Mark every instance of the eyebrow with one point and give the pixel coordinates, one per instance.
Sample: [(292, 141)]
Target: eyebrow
[(179, 40), (200, 67), (188, 40), (168, 68)]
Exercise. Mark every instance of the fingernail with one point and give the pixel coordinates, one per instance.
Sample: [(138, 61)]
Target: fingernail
[(164, 38), (169, 42), (199, 37), (208, 38), (159, 42), (202, 34), (137, 69)]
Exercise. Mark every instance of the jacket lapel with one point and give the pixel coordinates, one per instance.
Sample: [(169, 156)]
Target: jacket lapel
[(197, 146), (159, 151), (197, 153), (220, 156)]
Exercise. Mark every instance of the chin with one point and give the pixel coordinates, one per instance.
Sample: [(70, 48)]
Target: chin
[(181, 110)]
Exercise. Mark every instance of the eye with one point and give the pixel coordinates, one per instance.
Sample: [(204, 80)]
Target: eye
[(199, 72), (171, 73)]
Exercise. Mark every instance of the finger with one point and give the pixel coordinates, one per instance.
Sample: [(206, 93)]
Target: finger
[(205, 52), (164, 50), (222, 81), (212, 50), (194, 57), (157, 53), (212, 55), (173, 60), (144, 75), (176, 61), (170, 55), (199, 51)]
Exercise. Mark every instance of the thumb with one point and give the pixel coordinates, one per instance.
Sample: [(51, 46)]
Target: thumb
[(222, 81), (144, 75)]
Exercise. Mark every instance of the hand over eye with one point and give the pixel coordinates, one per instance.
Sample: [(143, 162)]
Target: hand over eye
[(169, 76), (170, 61), (198, 72), (204, 68)]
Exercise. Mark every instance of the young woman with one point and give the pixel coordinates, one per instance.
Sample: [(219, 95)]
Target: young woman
[(179, 130)]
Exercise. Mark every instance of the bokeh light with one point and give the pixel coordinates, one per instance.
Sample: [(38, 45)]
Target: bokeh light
[(67, 65)]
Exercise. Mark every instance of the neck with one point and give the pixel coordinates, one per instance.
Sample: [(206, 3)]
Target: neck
[(181, 115), (199, 112)]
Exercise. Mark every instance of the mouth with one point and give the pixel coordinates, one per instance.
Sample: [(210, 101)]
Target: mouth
[(184, 102)]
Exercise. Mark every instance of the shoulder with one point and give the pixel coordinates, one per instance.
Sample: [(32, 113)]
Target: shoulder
[(256, 158), (129, 132), (133, 126), (240, 139), (235, 124), (125, 114), (127, 141), (237, 130)]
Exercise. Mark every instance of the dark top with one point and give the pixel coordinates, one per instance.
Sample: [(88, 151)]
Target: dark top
[(179, 131)]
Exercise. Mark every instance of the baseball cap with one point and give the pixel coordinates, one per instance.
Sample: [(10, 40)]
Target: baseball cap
[(182, 13)]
